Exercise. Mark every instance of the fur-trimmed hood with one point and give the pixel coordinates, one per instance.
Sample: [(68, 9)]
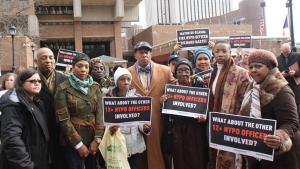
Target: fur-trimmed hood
[(269, 88)]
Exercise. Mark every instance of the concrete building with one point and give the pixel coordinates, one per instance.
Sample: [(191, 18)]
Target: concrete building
[(178, 12), (249, 12), (89, 26), (163, 39), (181, 11)]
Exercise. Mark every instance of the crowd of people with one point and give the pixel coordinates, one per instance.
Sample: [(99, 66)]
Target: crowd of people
[(54, 120)]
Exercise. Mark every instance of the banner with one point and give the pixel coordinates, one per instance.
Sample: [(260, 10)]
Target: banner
[(204, 74), (240, 41), (240, 134), (193, 38), (65, 57), (186, 101), (127, 110)]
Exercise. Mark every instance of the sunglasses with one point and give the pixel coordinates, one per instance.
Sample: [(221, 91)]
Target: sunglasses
[(35, 81)]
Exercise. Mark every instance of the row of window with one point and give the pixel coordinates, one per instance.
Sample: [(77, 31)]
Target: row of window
[(54, 10)]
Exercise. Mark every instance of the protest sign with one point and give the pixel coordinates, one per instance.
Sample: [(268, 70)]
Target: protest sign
[(240, 134), (65, 57), (127, 110), (204, 74), (193, 38), (186, 101), (240, 41)]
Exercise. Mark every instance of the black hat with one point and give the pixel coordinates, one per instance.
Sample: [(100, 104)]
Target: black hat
[(79, 57), (183, 61), (142, 45), (173, 57)]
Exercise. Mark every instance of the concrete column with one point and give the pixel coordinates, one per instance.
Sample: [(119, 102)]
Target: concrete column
[(77, 11), (33, 26), (78, 36), (112, 48), (118, 40), (119, 10)]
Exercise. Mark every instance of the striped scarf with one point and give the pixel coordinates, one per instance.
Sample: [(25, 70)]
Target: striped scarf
[(252, 96)]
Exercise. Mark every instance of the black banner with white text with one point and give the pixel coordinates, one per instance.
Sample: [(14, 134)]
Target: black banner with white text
[(127, 110), (240, 134), (186, 101)]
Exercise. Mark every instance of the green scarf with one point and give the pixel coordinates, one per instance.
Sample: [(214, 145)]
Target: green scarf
[(81, 85)]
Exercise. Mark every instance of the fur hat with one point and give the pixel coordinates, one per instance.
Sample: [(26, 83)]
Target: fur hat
[(120, 72), (263, 56), (204, 51)]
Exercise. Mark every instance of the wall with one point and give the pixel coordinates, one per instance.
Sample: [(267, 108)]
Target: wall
[(23, 53)]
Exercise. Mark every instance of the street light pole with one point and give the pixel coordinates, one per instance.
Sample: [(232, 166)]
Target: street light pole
[(32, 49), (263, 5), (289, 5), (13, 31)]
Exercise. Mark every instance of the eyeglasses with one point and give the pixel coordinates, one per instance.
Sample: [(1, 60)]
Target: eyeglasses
[(35, 81)]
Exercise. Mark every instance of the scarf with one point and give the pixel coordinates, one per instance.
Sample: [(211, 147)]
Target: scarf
[(81, 85), (269, 88), (49, 80), (216, 101), (252, 97)]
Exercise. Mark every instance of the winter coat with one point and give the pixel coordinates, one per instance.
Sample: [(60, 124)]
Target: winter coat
[(232, 83), (278, 103), (79, 116), (135, 142), (292, 58), (47, 97), (24, 132), (161, 75)]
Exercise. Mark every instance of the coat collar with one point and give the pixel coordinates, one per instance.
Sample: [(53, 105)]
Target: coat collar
[(34, 107), (269, 88)]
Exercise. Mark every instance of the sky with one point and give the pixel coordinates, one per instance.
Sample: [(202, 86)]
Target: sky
[(275, 11)]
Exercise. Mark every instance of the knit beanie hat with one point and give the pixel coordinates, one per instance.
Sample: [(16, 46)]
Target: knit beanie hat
[(183, 61), (79, 57), (120, 72), (204, 51), (263, 56)]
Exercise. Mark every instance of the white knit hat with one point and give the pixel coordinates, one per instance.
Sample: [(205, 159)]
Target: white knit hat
[(120, 72)]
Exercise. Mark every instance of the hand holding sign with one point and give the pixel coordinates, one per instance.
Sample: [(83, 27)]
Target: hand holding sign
[(177, 47), (163, 98), (146, 128), (113, 129), (201, 119), (272, 141)]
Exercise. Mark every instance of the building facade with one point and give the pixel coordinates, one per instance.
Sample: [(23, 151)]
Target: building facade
[(165, 12), (89, 26), (180, 12)]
